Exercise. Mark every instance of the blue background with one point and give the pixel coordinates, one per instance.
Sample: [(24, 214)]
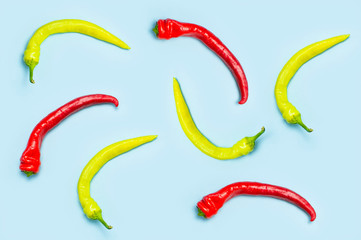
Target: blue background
[(151, 192)]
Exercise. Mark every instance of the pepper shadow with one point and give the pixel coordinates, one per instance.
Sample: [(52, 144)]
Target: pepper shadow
[(25, 74), (281, 202)]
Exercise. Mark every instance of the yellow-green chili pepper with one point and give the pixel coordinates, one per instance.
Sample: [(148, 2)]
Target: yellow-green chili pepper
[(288, 111), (242, 147), (90, 207), (32, 52)]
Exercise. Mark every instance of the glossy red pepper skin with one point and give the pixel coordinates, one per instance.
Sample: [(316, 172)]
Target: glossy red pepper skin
[(170, 28), (30, 160), (211, 203)]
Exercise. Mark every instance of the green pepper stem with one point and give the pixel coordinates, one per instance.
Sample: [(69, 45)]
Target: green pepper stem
[(100, 218), (254, 138), (201, 214), (31, 68), (155, 30), (28, 174), (105, 224), (299, 121)]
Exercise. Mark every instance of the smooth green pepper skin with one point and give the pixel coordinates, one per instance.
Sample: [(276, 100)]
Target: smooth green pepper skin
[(241, 148), (288, 111), (32, 52), (90, 207)]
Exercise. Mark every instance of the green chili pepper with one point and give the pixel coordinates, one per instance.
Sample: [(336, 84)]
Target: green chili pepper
[(90, 207)]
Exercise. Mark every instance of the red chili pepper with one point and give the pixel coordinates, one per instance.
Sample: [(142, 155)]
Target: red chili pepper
[(169, 28), (211, 203), (30, 160)]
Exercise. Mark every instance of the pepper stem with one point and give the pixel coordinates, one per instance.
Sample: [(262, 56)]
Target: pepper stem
[(299, 121), (201, 214), (31, 68), (254, 138), (155, 30), (100, 218), (28, 173)]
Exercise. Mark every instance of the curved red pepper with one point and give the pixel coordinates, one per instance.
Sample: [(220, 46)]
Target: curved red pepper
[(169, 28), (30, 160), (211, 203)]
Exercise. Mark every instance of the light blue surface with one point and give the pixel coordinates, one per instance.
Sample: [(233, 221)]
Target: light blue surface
[(151, 192)]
